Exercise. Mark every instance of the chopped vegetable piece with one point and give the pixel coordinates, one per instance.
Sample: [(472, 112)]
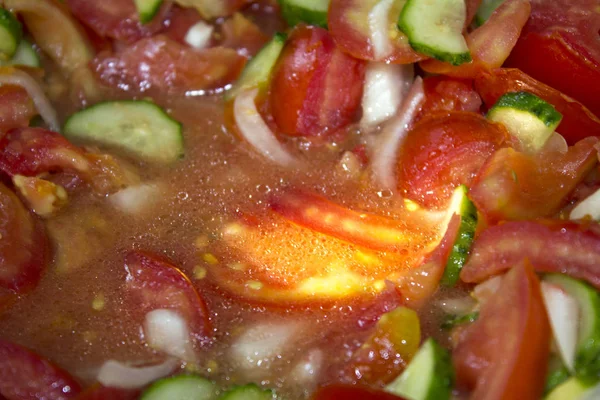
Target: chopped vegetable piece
[(455, 320), (313, 12), (570, 389), (189, 387), (10, 34), (247, 392), (147, 9), (25, 56), (486, 9)]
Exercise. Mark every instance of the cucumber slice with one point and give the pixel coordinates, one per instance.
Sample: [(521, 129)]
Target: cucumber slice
[(313, 12), (571, 389), (11, 33), (461, 205), (453, 321), (557, 375), (429, 376), (527, 117), (486, 9), (434, 28), (137, 126), (147, 9), (25, 55), (587, 358), (258, 70), (247, 392), (181, 387)]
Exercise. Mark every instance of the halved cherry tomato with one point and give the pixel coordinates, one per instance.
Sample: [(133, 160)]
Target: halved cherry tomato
[(322, 86), (443, 151), (513, 185), (155, 283), (551, 246), (351, 392), (25, 375), (116, 19), (24, 248), (504, 354), (16, 108), (560, 47), (348, 21), (577, 123), (490, 44), (443, 93), (167, 66)]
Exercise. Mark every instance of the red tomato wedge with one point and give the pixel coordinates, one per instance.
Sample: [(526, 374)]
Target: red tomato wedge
[(368, 230), (513, 185), (490, 44), (504, 354), (24, 248), (155, 283), (550, 245), (352, 29), (443, 93), (560, 47), (116, 19), (444, 150), (577, 123), (24, 375), (99, 392), (351, 392), (167, 66), (16, 108), (321, 85)]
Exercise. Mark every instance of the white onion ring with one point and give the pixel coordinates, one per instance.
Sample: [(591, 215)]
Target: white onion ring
[(256, 132), (385, 149), (33, 89), (167, 331), (118, 375)]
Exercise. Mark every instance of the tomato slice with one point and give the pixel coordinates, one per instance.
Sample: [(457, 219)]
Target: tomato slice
[(513, 185), (24, 248), (577, 123), (550, 245), (444, 150), (116, 19), (321, 85), (16, 108), (154, 283), (504, 354), (164, 65), (348, 22), (25, 375), (560, 47), (351, 392), (490, 44), (443, 93)]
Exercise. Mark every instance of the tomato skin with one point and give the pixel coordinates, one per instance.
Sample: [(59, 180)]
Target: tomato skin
[(321, 85), (559, 46), (490, 44), (351, 392), (515, 186), (16, 108), (24, 375), (443, 93), (578, 122), (504, 354), (443, 151), (24, 248), (551, 246), (161, 65)]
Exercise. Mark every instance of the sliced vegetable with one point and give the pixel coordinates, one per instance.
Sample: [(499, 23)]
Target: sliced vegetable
[(571, 389), (11, 33), (147, 9), (587, 360), (563, 312), (25, 55), (351, 392), (247, 392), (429, 376), (557, 374), (462, 206), (313, 12), (455, 320), (189, 387), (527, 117), (167, 331), (118, 375), (435, 28), (257, 72), (486, 9), (199, 35), (589, 207), (139, 127)]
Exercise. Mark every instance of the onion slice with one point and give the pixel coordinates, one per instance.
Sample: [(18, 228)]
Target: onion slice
[(199, 35), (118, 375), (11, 76), (135, 200), (386, 85), (254, 129), (590, 206), (563, 313), (385, 149), (379, 28), (167, 331)]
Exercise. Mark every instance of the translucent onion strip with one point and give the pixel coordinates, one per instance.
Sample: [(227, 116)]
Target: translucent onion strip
[(118, 375)]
